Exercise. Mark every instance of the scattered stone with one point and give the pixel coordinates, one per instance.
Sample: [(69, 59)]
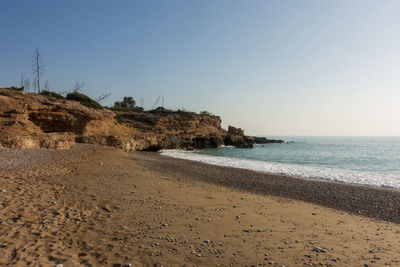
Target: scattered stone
[(318, 249)]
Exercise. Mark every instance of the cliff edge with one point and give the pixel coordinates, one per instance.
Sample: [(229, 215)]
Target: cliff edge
[(30, 121)]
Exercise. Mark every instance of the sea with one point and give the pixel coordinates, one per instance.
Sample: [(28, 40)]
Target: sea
[(372, 161)]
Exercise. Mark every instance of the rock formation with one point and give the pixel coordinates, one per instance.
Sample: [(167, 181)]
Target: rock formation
[(31, 121)]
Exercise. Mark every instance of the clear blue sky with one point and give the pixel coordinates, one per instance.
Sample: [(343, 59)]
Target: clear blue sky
[(270, 67)]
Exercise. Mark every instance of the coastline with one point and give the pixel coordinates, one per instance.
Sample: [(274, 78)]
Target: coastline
[(368, 201), (100, 206)]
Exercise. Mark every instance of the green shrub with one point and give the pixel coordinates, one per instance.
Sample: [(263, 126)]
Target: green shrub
[(127, 104), (13, 88), (206, 113), (51, 94), (84, 100)]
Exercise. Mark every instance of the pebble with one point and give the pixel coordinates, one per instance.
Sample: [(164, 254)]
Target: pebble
[(318, 249), (3, 191)]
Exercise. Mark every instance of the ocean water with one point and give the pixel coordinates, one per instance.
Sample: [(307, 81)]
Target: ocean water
[(373, 161)]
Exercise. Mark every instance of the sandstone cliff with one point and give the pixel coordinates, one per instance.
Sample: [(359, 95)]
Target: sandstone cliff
[(30, 121)]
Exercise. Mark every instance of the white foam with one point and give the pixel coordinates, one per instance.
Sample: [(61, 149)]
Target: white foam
[(304, 171)]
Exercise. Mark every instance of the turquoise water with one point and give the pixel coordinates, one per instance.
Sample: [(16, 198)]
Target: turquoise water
[(362, 160)]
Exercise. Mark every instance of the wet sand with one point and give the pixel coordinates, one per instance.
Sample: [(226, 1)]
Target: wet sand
[(100, 206)]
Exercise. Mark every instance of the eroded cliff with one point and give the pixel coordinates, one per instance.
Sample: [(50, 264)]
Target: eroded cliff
[(31, 121)]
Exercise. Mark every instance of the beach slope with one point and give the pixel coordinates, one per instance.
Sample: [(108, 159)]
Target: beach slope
[(96, 205)]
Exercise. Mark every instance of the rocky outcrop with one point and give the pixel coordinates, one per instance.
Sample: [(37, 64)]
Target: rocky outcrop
[(235, 137), (176, 129), (32, 121), (263, 140)]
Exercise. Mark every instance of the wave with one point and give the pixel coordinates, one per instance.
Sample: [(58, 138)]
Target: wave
[(304, 171)]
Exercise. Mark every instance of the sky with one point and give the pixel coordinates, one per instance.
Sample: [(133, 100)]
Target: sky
[(274, 68)]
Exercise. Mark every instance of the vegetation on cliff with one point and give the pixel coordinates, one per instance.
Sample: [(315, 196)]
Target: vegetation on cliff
[(13, 88), (127, 104), (84, 100), (51, 94)]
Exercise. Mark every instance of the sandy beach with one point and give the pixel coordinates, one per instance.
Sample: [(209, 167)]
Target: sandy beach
[(100, 206)]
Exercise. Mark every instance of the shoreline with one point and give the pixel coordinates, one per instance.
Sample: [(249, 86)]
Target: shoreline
[(100, 206), (314, 172), (369, 201)]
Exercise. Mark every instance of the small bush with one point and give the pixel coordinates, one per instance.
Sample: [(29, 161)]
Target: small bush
[(127, 104), (84, 100), (51, 94), (161, 111), (206, 113), (13, 88)]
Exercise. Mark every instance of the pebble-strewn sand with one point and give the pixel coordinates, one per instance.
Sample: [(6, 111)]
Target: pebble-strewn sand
[(100, 206)]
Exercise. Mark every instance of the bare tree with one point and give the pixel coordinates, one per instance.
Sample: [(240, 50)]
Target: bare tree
[(27, 84), (46, 86), (78, 86), (22, 80), (157, 100), (37, 66), (34, 85), (103, 97)]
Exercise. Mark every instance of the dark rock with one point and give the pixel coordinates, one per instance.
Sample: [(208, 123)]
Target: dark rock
[(263, 140), (235, 137)]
